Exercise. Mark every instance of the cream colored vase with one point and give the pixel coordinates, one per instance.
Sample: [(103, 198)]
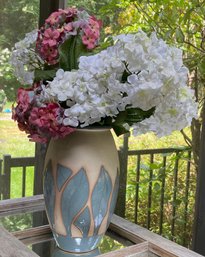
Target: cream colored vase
[(81, 181)]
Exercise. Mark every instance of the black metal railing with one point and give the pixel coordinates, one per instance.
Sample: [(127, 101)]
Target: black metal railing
[(160, 190), (23, 166), (157, 188)]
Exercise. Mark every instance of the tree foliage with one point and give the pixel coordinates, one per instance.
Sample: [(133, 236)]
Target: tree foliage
[(180, 23), (16, 19)]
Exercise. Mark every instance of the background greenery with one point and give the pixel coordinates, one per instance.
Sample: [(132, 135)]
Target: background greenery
[(179, 22)]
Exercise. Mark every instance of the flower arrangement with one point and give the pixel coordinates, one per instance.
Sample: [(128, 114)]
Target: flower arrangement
[(137, 82)]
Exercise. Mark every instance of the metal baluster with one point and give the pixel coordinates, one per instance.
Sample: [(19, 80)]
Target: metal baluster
[(187, 183), (150, 193), (174, 194), (137, 187), (24, 182), (162, 195), (1, 180)]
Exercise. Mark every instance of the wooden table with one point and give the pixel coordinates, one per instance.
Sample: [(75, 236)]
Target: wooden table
[(137, 241)]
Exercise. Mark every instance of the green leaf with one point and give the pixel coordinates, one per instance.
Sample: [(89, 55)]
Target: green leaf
[(65, 54), (125, 76), (202, 67), (70, 52), (157, 186), (44, 74), (179, 35), (118, 124), (130, 116), (119, 129), (154, 166), (134, 115), (177, 202)]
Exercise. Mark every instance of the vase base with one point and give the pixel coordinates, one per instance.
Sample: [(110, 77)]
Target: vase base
[(78, 245), (61, 253)]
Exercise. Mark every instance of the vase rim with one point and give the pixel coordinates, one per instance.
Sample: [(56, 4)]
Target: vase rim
[(96, 128)]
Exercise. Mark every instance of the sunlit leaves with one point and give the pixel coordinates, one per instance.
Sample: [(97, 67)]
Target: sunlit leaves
[(179, 35)]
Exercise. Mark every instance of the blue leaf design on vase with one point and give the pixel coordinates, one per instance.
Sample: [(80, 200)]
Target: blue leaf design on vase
[(100, 198), (73, 200), (63, 173), (83, 222), (49, 192)]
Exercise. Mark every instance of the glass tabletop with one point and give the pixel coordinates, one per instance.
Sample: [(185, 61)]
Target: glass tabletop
[(44, 245), (110, 242)]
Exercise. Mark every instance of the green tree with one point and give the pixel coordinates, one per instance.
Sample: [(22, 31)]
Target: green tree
[(180, 23), (16, 19)]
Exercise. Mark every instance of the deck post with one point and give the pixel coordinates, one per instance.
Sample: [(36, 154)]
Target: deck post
[(199, 224), (46, 8), (123, 157)]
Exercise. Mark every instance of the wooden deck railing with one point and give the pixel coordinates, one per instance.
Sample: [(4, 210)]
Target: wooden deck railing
[(11, 164), (160, 190), (157, 190)]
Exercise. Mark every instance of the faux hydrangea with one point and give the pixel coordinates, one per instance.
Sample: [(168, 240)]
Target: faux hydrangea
[(62, 25), (24, 59), (138, 82)]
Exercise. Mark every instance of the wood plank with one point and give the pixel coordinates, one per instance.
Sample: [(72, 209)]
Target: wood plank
[(21, 205), (32, 232), (158, 244), (11, 246), (37, 240), (120, 238), (141, 248), (19, 161), (125, 233), (35, 235), (156, 249), (158, 151)]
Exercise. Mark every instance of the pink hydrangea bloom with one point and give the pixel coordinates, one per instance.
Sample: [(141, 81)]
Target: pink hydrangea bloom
[(54, 17), (20, 113), (51, 37), (95, 26), (34, 137), (23, 100), (89, 39), (50, 54), (59, 26), (46, 120), (39, 122), (68, 27)]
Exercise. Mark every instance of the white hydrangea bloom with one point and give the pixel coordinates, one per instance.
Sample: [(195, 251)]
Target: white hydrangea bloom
[(155, 78), (24, 59)]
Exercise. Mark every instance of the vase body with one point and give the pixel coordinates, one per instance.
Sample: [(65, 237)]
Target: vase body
[(81, 179)]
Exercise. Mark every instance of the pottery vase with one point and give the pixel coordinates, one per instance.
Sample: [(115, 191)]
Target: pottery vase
[(81, 180)]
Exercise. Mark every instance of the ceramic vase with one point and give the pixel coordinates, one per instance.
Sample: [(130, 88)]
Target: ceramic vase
[(81, 179)]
